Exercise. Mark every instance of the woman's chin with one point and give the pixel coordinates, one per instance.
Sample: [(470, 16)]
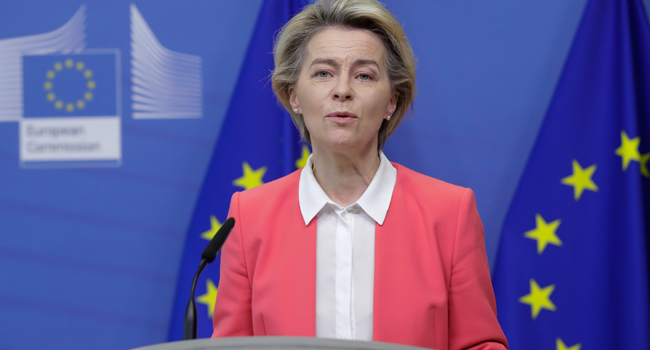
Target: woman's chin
[(341, 141)]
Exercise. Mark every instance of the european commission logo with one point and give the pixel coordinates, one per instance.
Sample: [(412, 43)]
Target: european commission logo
[(70, 85), (71, 113), (67, 99)]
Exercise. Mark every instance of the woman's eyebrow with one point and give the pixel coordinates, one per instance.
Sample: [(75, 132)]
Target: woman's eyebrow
[(356, 63), (365, 62), (327, 61)]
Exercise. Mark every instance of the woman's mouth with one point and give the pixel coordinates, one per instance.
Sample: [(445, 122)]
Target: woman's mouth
[(341, 118)]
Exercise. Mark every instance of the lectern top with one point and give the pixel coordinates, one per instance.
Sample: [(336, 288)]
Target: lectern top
[(276, 343)]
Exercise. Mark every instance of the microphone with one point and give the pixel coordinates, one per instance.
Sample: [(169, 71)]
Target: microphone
[(208, 256)]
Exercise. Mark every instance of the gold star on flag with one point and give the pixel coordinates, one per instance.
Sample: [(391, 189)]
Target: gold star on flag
[(215, 225), (300, 163), (581, 179), (251, 178), (629, 149), (561, 346), (210, 297), (644, 164), (544, 233), (539, 298)]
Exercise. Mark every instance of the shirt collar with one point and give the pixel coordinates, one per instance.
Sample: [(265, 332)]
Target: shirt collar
[(374, 201)]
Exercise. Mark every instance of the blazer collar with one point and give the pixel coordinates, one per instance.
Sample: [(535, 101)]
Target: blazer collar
[(375, 201)]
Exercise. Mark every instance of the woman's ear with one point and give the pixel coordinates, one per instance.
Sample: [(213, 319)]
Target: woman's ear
[(293, 99), (392, 104)]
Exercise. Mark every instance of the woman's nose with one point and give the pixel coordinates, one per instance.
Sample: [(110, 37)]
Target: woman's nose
[(342, 91)]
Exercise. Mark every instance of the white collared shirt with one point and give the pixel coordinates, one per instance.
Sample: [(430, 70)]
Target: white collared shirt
[(345, 252)]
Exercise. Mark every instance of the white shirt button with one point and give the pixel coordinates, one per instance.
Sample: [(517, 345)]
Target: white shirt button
[(356, 206), (344, 215)]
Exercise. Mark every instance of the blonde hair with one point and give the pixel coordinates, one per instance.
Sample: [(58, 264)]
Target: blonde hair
[(290, 50)]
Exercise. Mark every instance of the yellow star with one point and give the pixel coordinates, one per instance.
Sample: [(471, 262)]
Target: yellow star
[(629, 149), (251, 178), (300, 163), (539, 298), (210, 297), (544, 233), (644, 164), (581, 179), (215, 225), (561, 346)]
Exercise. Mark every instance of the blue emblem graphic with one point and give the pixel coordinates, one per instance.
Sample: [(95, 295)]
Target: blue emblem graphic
[(78, 85)]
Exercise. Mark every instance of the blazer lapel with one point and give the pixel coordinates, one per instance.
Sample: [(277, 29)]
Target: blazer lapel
[(294, 271), (304, 273), (386, 288)]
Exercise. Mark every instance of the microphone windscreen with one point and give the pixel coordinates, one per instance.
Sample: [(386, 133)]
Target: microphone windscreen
[(210, 252)]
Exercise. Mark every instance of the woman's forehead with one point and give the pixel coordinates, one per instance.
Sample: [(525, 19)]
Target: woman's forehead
[(345, 46)]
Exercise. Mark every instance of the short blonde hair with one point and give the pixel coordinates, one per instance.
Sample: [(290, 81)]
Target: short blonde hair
[(290, 50)]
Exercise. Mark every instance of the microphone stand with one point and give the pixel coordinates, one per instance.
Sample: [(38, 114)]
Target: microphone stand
[(208, 256), (189, 327)]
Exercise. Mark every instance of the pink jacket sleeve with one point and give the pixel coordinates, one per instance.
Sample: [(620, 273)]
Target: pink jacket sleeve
[(232, 311), (472, 307)]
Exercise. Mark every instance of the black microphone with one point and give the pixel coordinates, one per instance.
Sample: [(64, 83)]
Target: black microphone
[(208, 256)]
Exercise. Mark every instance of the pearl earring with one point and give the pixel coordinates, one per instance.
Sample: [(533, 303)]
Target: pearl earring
[(388, 118), (295, 110)]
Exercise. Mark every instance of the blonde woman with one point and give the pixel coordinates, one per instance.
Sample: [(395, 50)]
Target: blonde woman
[(353, 246)]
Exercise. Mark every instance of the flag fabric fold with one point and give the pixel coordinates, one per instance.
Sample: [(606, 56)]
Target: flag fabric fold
[(257, 144), (572, 265)]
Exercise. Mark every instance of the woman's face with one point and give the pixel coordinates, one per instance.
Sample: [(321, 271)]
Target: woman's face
[(343, 90)]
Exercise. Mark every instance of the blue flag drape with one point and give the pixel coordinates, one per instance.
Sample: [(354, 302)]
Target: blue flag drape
[(572, 268), (258, 144)]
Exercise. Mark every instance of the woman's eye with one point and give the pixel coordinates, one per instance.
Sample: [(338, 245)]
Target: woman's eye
[(323, 74), (364, 76)]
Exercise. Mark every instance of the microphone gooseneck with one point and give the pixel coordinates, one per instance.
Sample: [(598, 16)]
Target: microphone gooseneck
[(208, 256), (190, 324)]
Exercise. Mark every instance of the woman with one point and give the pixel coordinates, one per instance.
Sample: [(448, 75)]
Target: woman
[(353, 246)]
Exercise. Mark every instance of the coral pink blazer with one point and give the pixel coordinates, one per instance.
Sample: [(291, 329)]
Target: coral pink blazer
[(432, 279)]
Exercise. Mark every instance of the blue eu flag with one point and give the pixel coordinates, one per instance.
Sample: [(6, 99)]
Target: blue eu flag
[(572, 268), (258, 143), (75, 85)]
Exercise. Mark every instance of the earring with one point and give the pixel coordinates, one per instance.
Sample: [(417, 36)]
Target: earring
[(295, 110), (388, 118)]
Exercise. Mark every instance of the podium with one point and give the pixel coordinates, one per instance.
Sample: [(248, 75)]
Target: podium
[(276, 343)]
